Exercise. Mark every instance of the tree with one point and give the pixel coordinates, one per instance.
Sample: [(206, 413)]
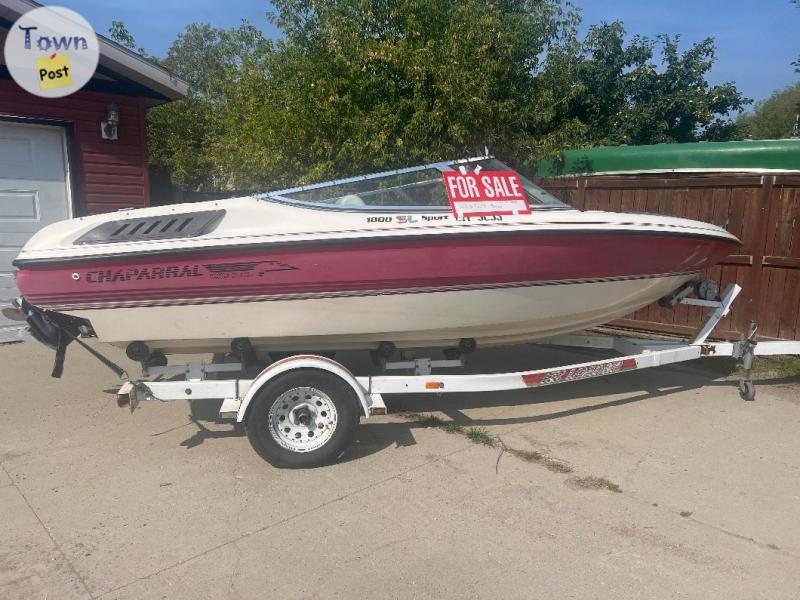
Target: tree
[(363, 85), (626, 97), (184, 135), (120, 34), (774, 117), (358, 85)]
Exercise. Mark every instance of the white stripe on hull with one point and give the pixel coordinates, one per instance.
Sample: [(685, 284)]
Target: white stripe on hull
[(436, 319)]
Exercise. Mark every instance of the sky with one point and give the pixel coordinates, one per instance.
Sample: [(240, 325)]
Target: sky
[(757, 40)]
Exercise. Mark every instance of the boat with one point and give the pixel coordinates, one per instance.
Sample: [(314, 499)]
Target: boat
[(370, 262)]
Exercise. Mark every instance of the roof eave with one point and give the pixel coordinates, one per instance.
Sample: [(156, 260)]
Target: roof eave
[(142, 71)]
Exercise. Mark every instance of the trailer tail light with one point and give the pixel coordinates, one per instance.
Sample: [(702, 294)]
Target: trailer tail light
[(434, 385)]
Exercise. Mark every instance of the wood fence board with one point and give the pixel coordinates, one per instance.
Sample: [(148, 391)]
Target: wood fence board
[(762, 211)]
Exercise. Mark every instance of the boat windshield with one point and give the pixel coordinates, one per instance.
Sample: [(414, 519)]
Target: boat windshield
[(417, 187)]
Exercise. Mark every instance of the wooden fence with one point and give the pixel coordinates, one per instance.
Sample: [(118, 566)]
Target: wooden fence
[(761, 210)]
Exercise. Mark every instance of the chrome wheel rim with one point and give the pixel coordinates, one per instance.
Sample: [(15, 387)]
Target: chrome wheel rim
[(302, 419)]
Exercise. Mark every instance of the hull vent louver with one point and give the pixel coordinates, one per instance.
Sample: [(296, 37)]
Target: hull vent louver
[(161, 227)]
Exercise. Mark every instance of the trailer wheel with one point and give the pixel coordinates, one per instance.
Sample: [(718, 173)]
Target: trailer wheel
[(303, 418)]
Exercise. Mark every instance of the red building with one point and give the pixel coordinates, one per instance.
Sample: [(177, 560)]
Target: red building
[(59, 158)]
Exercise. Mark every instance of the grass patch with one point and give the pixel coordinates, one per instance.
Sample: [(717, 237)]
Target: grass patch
[(434, 421), (546, 461), (479, 435), (780, 366), (590, 482), (452, 427), (428, 420)]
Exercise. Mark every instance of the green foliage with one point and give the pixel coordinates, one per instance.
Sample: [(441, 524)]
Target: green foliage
[(774, 117), (626, 97), (362, 85), (479, 435), (184, 135), (358, 85), (120, 34)]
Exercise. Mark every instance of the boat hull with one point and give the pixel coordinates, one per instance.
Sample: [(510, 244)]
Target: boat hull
[(495, 316), (498, 288)]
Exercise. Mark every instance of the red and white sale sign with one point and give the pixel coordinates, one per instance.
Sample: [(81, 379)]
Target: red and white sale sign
[(486, 193)]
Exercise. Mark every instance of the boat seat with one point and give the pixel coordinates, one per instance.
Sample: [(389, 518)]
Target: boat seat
[(350, 200)]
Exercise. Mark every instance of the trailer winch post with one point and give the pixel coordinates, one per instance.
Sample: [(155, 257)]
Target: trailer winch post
[(721, 308)]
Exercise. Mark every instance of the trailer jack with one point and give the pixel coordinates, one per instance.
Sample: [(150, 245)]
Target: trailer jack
[(747, 389)]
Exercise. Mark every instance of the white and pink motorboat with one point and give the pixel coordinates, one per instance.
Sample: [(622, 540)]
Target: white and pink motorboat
[(352, 264)]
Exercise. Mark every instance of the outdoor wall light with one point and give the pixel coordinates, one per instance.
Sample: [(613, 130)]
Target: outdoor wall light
[(108, 128)]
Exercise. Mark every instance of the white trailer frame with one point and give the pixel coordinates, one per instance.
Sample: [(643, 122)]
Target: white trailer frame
[(237, 394)]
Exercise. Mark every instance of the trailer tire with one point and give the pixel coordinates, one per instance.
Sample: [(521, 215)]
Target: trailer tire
[(303, 418)]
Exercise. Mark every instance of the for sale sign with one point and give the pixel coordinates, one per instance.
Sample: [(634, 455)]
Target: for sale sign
[(486, 193)]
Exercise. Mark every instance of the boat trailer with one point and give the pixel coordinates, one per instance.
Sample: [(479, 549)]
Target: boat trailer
[(302, 411)]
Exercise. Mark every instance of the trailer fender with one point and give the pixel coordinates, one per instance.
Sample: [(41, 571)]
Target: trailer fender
[(302, 361)]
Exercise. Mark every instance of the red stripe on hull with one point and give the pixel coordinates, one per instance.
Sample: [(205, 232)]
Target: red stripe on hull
[(368, 265)]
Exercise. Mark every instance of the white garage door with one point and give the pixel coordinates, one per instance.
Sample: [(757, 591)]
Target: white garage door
[(33, 193)]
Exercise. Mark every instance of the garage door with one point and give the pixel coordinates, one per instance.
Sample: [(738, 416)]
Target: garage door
[(33, 193)]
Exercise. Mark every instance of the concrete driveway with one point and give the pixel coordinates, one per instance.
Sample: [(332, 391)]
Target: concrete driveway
[(169, 503)]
